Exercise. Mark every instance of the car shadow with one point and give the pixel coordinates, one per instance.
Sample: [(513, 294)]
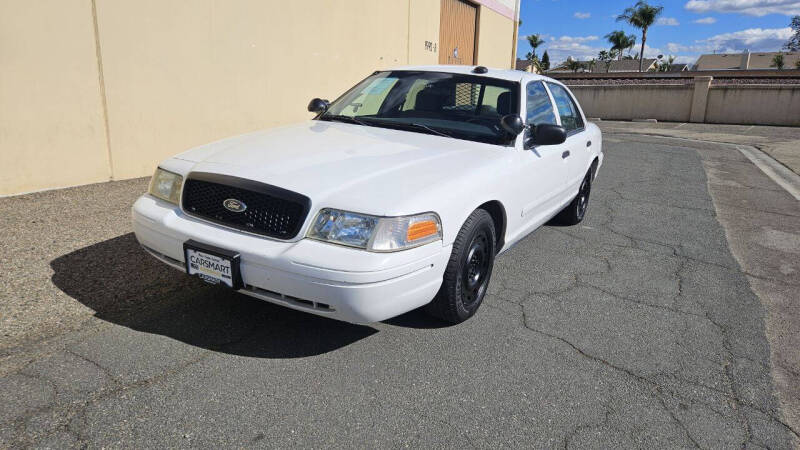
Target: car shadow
[(418, 319), (124, 285)]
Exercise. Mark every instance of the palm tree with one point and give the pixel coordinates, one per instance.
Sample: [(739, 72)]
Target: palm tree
[(535, 40), (606, 57), (615, 39), (534, 60), (664, 66), (628, 43), (620, 41), (573, 65), (642, 16)]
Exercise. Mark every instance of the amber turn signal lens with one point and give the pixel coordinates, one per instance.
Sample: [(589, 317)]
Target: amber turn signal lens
[(421, 229)]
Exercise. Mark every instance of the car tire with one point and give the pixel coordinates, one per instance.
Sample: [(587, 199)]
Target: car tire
[(469, 270), (574, 213)]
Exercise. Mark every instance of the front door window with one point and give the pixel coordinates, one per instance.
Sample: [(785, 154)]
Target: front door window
[(538, 108)]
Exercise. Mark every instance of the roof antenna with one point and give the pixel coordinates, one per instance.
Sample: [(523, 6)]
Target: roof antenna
[(480, 69)]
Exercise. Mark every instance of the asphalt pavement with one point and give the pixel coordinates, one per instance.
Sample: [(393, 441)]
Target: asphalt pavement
[(640, 327)]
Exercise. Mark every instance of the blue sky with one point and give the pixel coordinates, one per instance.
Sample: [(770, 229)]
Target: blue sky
[(687, 28)]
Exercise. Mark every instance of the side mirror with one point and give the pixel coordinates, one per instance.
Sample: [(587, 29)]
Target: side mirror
[(546, 134), (318, 105), (513, 124)]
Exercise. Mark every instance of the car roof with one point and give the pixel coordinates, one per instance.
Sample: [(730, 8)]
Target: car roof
[(502, 74)]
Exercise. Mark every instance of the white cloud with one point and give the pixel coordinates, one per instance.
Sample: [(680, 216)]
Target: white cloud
[(668, 21), (582, 15), (706, 20), (749, 7), (575, 39), (584, 48), (652, 52), (754, 39), (578, 47), (674, 48)]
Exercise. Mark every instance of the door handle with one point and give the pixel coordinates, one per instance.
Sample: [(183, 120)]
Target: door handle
[(588, 143), (565, 154)]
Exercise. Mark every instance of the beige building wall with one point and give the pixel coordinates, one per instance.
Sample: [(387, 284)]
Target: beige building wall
[(52, 132), (180, 73), (423, 28), (206, 69), (495, 32)]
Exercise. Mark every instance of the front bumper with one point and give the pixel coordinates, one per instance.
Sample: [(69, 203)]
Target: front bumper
[(325, 279)]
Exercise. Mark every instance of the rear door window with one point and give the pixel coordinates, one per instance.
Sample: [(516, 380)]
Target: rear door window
[(567, 109)]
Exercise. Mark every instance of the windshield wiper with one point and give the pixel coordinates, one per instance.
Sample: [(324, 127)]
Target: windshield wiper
[(411, 125), (432, 130), (342, 118)]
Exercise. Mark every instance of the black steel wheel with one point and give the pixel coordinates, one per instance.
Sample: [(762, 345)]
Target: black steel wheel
[(574, 212), (582, 202), (469, 270), (475, 267)]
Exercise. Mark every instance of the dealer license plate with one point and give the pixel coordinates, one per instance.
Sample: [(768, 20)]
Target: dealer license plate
[(211, 264)]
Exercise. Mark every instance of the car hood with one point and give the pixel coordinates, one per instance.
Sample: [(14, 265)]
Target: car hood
[(366, 169)]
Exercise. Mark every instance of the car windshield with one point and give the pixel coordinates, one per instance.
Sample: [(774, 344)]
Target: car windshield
[(446, 104)]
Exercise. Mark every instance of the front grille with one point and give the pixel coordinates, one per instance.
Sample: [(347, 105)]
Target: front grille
[(270, 210)]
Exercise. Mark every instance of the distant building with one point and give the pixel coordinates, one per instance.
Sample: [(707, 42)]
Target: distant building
[(616, 66), (526, 65), (678, 68), (744, 61), (625, 65)]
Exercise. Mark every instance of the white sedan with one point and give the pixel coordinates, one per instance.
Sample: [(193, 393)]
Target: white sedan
[(397, 195)]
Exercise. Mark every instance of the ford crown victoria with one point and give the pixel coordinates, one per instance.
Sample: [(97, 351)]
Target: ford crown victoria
[(397, 195)]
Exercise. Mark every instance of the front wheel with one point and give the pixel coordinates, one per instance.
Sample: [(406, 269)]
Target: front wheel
[(467, 275)]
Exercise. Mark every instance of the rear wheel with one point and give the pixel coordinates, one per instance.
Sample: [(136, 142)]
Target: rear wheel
[(574, 212), (467, 275)]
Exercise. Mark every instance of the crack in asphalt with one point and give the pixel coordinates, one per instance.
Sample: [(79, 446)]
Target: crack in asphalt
[(737, 402), (675, 253), (733, 396), (613, 366), (605, 422)]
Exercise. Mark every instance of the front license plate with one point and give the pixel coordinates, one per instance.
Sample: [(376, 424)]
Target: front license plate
[(212, 264)]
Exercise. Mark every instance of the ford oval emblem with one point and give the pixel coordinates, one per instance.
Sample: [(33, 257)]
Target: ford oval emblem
[(234, 205)]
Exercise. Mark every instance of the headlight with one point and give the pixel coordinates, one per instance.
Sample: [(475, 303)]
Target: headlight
[(166, 186), (373, 233)]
